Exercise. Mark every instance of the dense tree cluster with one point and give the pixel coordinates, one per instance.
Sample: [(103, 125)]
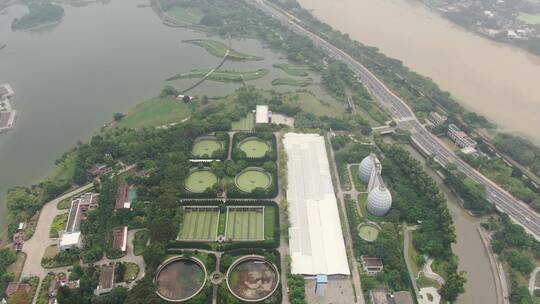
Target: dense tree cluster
[(472, 194), (518, 249), (7, 257), (521, 150)]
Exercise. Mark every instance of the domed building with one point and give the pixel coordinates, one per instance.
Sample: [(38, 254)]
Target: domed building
[(366, 166), (379, 201)]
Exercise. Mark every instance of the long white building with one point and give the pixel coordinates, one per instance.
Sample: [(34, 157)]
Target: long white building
[(315, 238)]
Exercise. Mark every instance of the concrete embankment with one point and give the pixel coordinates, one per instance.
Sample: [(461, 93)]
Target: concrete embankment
[(496, 268)]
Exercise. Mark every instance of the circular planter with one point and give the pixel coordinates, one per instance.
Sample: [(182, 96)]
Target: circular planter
[(170, 275), (199, 180), (368, 231), (205, 145), (254, 147), (251, 178), (256, 278)]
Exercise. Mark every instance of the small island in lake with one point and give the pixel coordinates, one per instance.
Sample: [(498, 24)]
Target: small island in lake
[(39, 15)]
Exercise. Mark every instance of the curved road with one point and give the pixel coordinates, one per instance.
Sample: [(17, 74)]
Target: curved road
[(520, 212)]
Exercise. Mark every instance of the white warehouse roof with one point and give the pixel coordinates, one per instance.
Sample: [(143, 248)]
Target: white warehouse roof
[(316, 241), (262, 114)]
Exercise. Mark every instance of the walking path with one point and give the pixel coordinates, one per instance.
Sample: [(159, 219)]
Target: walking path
[(533, 285), (497, 270), (355, 275), (406, 255), (428, 272)]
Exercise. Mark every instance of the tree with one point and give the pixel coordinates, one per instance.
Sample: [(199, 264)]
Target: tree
[(143, 292), (118, 116), (153, 255), (168, 91), (186, 99), (162, 229), (22, 203)]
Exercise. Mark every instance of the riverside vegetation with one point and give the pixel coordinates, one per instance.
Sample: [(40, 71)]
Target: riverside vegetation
[(39, 14)]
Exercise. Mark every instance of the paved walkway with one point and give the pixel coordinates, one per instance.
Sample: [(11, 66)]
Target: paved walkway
[(355, 275), (532, 281), (428, 272), (406, 255), (35, 246)]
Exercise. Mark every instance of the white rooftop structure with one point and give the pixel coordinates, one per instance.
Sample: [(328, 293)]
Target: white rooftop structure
[(316, 241), (262, 114), (70, 240)]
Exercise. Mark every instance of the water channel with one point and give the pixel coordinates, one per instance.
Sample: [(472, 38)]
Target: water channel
[(101, 59), (494, 79), (480, 286)]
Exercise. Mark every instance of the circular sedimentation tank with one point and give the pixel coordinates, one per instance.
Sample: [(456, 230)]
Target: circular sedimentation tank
[(368, 232), (254, 147), (199, 180), (206, 146), (252, 279), (179, 279), (251, 178)]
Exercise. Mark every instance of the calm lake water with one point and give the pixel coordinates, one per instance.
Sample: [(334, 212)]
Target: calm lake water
[(494, 79), (101, 59)]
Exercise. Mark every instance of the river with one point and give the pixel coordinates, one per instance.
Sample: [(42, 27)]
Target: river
[(101, 59), (493, 79)]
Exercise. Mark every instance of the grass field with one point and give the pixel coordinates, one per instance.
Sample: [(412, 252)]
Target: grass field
[(245, 223), (254, 147), (200, 224), (59, 224), (206, 146), (186, 15), (293, 82), (248, 180), (132, 270), (362, 200), (223, 75), (64, 204), (155, 112), (245, 124), (199, 180), (309, 103), (529, 18), (218, 49), (292, 69)]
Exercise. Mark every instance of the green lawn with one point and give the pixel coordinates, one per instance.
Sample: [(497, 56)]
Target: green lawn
[(358, 184), (529, 18), (269, 222), (248, 180), (293, 82), (245, 124), (155, 112), (309, 103), (64, 204), (245, 224), (186, 15), (368, 232), (199, 224), (292, 69), (132, 270), (254, 147), (200, 180), (223, 75), (218, 49), (139, 241), (59, 224)]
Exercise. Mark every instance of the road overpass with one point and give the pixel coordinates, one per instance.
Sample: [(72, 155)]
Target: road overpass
[(520, 212)]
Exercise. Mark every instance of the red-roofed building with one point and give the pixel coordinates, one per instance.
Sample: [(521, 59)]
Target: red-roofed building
[(122, 197), (106, 279), (98, 169), (119, 238)]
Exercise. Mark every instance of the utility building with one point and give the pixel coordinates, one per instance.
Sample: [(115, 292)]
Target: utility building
[(316, 240)]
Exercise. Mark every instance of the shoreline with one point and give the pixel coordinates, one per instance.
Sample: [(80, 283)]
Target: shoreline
[(497, 270), (6, 93)]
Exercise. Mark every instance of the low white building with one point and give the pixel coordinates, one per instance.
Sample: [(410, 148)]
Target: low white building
[(262, 114), (70, 240)]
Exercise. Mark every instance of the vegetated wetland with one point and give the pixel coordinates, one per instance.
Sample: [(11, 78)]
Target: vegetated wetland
[(56, 112)]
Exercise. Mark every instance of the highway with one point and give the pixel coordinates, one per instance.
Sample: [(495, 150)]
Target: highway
[(520, 212)]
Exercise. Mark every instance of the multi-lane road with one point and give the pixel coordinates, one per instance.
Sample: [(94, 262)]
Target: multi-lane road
[(520, 212)]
